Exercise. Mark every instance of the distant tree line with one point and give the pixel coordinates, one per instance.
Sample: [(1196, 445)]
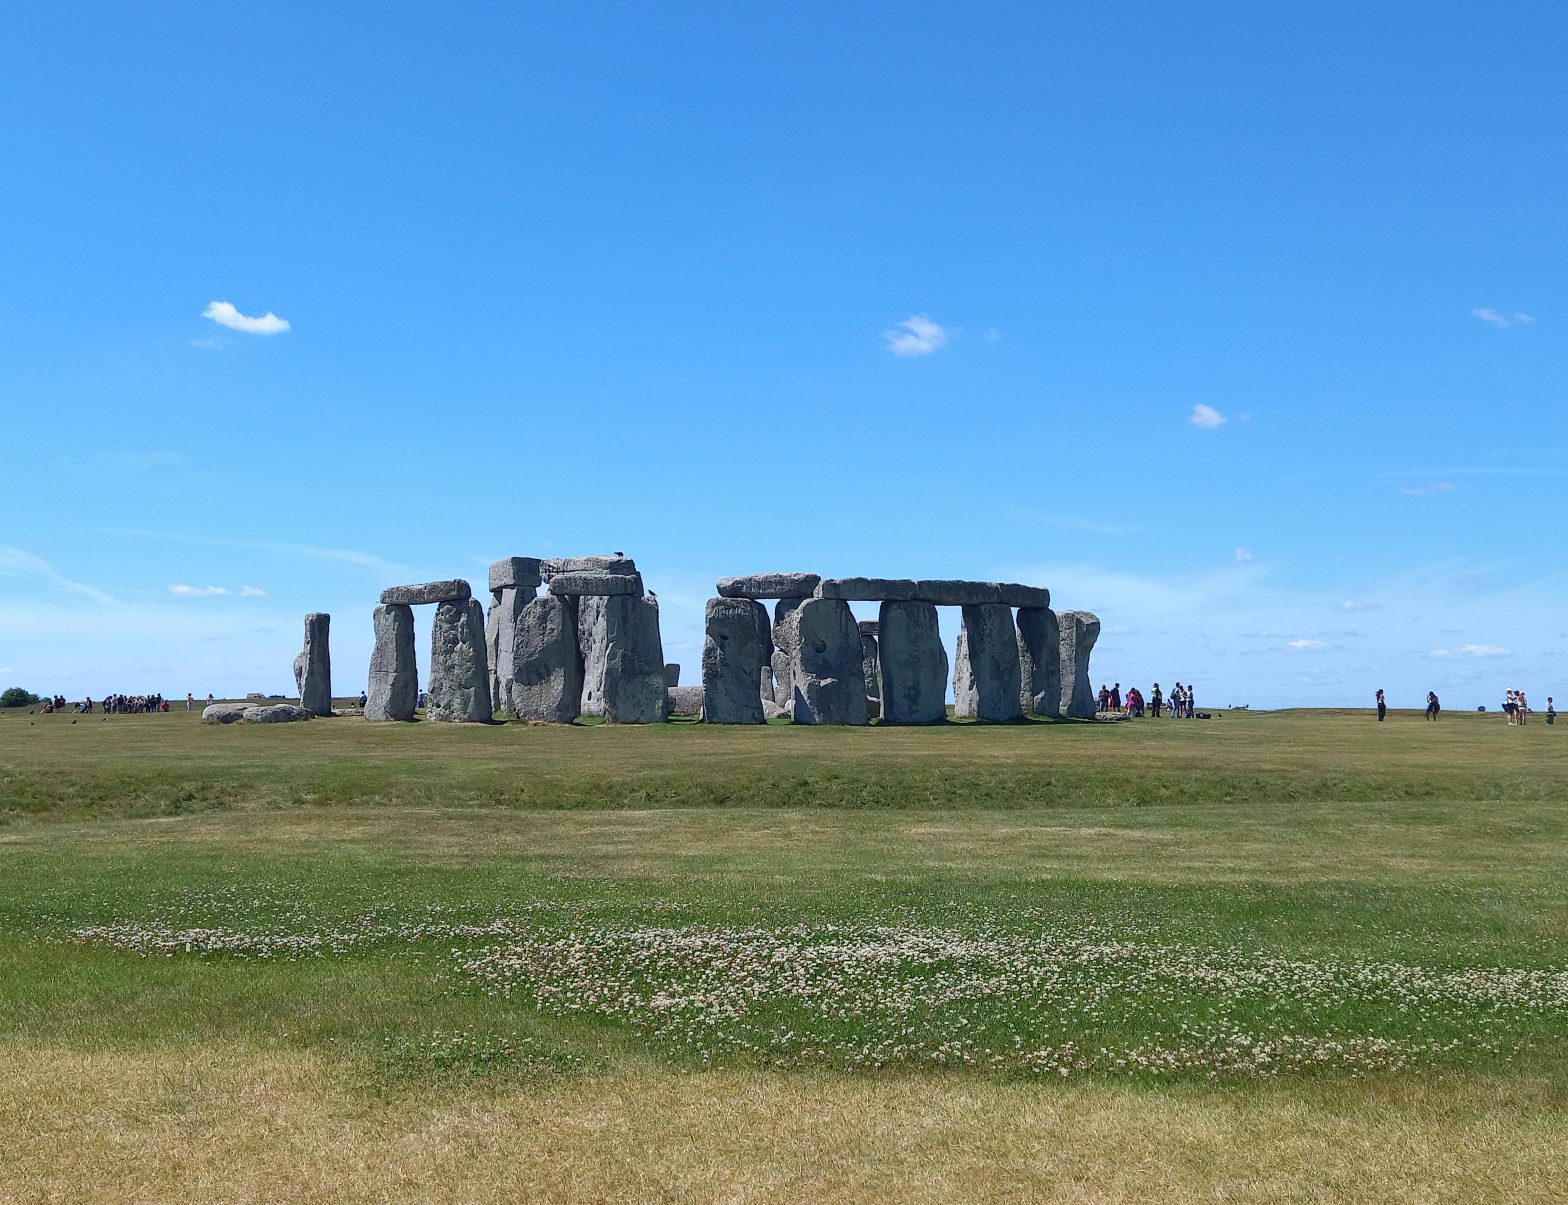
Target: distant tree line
[(17, 697)]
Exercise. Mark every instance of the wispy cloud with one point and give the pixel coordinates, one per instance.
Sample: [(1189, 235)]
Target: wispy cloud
[(1306, 645), (916, 335), (1355, 604), (1245, 554), (1499, 319), (252, 592), (1205, 416), (1471, 650), (197, 591), (224, 314), (344, 556), (1432, 487), (16, 562)]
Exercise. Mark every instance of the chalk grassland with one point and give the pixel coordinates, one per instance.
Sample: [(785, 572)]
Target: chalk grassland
[(498, 964)]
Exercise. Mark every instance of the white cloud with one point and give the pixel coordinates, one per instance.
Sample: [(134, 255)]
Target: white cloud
[(1305, 646), (1498, 319), (1244, 554), (1205, 416), (225, 314), (1351, 604), (916, 335), (196, 591), (252, 592), (15, 562), (1471, 650), (1435, 487)]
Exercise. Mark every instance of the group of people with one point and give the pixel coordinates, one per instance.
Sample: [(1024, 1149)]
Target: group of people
[(111, 705), (1178, 703), (1515, 706)]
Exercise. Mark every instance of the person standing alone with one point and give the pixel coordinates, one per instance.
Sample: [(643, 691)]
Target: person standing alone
[(1382, 706)]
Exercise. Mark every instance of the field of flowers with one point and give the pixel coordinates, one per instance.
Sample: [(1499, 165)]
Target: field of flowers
[(1020, 992)]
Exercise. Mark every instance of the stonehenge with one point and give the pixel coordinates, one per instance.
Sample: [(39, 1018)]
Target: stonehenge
[(314, 667), (732, 657), (569, 637)]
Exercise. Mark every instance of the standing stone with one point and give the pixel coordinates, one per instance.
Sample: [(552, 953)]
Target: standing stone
[(732, 656), (1039, 661), (870, 668), (986, 678), (783, 685), (633, 662), (1079, 631), (459, 670), (547, 668), (504, 617), (672, 675), (593, 645), (299, 674), (825, 673), (315, 687), (394, 677), (912, 664), (764, 623), (493, 652)]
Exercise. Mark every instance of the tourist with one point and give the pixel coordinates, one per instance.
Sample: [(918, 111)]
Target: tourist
[(1510, 707), (1433, 707), (190, 700), (1116, 697), (1382, 706), (1551, 712), (1104, 700), (1155, 699), (1521, 706), (363, 699)]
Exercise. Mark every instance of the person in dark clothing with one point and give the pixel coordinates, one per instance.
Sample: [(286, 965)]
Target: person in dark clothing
[(1382, 706), (1432, 705)]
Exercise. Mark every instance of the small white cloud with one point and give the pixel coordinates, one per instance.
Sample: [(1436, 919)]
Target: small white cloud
[(225, 314), (1304, 645), (196, 591), (1498, 319), (1351, 604), (1435, 487), (1471, 650), (916, 335), (252, 592), (1244, 554), (1205, 416)]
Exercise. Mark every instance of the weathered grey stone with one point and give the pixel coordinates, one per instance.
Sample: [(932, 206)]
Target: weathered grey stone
[(393, 691), (867, 589), (596, 584), (772, 711), (765, 642), (683, 700), (951, 592), (515, 571), (224, 713), (770, 585), (634, 661), (912, 664), (1015, 595), (783, 688), (826, 679), (1079, 630), (501, 642), (547, 667), (732, 657), (455, 590), (593, 642), (868, 627), (1039, 661), (299, 673), (672, 674), (986, 679), (493, 651), (315, 688), (623, 565), (459, 671), (871, 670), (278, 713)]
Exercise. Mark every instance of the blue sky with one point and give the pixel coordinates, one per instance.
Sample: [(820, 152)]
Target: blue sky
[(1241, 325)]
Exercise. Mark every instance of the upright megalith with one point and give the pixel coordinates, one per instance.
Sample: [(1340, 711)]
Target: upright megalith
[(459, 670), (593, 648), (870, 667), (672, 675), (591, 581), (986, 678), (912, 664), (732, 657), (827, 683), (547, 667), (394, 676), (508, 609), (783, 684), (764, 622), (1079, 631), (634, 690), (315, 685), (1039, 661)]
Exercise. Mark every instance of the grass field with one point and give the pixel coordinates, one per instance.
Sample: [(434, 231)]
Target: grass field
[(1288, 956)]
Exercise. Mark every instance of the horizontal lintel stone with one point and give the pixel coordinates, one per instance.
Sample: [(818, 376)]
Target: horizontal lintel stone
[(770, 585), (514, 571), (597, 584), (867, 589), (456, 590), (949, 592), (1014, 595), (623, 565)]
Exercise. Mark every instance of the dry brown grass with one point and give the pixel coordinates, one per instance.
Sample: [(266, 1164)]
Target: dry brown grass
[(233, 1124)]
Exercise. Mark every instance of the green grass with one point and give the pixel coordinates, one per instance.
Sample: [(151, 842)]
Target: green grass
[(1145, 866)]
